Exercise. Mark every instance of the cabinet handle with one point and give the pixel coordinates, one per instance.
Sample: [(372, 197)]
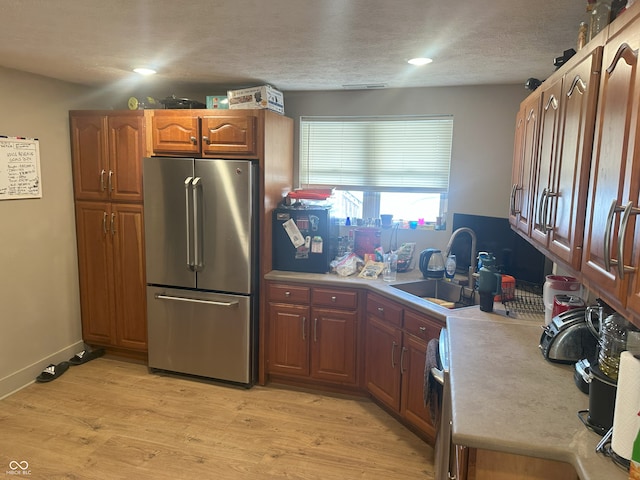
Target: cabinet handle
[(422, 329), (110, 180), (194, 140), (512, 202), (102, 172), (547, 227), (553, 103), (608, 261), (393, 350), (541, 201), (315, 329), (113, 224), (287, 293), (304, 332), (404, 349), (380, 309), (205, 139), (334, 299), (104, 222), (628, 211)]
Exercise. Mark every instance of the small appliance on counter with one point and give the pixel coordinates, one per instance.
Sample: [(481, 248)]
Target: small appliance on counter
[(567, 338), (304, 239), (432, 263)]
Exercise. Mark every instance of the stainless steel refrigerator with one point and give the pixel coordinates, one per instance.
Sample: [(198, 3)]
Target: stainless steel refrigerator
[(200, 219)]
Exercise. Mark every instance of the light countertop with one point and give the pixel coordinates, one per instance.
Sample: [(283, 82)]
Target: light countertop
[(505, 395)]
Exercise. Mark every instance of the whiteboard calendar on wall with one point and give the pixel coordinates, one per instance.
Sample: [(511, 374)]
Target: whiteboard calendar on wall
[(19, 168)]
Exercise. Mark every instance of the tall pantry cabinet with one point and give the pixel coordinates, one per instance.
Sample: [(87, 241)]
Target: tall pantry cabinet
[(107, 149)]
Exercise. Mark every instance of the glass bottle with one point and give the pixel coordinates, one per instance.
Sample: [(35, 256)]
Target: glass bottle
[(582, 35), (450, 267), (600, 17)]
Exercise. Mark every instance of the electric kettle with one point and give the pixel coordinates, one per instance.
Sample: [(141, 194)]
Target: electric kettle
[(432, 263)]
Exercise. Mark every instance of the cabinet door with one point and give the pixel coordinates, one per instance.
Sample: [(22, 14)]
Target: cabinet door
[(526, 164), (89, 156), (126, 134), (288, 339), (613, 184), (333, 345), (95, 271), (412, 363), (127, 236), (173, 134), (232, 135), (383, 344), (575, 139), (543, 184)]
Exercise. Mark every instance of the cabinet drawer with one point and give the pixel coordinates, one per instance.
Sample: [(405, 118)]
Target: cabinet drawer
[(335, 298), (421, 326), (384, 309), (289, 293)]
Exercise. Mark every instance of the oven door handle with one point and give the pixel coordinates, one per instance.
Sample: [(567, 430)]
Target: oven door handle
[(438, 375)]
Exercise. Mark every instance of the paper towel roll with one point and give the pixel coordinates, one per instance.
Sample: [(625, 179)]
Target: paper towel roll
[(626, 421)]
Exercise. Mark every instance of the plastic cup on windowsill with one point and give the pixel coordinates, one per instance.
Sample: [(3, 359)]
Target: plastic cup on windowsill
[(413, 224)]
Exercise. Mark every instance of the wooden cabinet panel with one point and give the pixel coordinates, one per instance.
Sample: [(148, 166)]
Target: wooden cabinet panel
[(412, 363), (289, 293), (524, 166), (229, 135), (288, 339), (568, 194), (89, 156), (613, 185), (333, 345), (129, 273), (421, 326), (95, 268), (175, 135), (335, 298), (384, 309), (107, 152), (383, 343), (126, 151)]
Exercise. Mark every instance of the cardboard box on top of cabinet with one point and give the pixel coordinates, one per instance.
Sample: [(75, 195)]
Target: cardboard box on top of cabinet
[(264, 96), (219, 102)]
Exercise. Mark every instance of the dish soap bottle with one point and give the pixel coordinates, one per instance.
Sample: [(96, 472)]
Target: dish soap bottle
[(450, 267), (634, 469)]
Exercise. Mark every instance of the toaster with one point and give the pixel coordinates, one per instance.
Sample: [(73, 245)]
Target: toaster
[(567, 339)]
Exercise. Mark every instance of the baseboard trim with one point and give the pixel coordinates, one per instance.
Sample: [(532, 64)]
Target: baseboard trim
[(27, 375)]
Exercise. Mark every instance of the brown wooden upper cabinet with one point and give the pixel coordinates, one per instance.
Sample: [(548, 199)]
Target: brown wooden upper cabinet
[(612, 248), (107, 151), (198, 133), (567, 115)]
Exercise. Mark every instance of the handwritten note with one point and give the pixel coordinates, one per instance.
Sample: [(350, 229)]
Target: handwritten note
[(19, 168)]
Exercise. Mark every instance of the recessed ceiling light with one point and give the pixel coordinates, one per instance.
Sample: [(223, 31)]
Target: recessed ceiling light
[(419, 61), (144, 71)]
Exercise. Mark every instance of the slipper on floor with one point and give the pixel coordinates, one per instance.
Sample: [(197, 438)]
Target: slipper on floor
[(52, 372), (85, 356)]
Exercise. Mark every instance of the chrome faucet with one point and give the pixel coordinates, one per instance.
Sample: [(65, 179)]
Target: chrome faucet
[(472, 234)]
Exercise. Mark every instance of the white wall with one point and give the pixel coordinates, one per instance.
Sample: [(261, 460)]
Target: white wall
[(39, 301), (483, 134)]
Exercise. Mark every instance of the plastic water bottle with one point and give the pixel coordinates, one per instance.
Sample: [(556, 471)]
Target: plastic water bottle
[(450, 267)]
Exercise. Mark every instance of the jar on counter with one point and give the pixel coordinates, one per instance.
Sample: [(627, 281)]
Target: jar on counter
[(600, 17)]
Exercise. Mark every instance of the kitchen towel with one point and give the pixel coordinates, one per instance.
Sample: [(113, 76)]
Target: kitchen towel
[(625, 417), (432, 393)]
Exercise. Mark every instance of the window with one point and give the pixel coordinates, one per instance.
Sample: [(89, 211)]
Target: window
[(389, 164)]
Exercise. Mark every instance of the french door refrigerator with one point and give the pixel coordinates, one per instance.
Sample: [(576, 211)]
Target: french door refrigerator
[(200, 219)]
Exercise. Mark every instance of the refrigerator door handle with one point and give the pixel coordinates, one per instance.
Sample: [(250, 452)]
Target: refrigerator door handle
[(198, 262), (195, 300), (187, 201)]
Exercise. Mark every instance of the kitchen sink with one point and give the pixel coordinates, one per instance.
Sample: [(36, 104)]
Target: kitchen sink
[(446, 294)]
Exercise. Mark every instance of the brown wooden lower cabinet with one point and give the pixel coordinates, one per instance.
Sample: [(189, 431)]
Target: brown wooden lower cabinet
[(480, 464)]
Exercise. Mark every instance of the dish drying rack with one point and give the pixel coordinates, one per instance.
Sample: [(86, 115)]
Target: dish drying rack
[(521, 297)]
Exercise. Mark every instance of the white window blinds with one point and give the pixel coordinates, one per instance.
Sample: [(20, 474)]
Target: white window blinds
[(404, 153)]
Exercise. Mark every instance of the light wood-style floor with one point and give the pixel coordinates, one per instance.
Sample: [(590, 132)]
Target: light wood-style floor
[(111, 419)]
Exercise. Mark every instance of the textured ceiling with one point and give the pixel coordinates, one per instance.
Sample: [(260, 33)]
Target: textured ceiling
[(291, 44)]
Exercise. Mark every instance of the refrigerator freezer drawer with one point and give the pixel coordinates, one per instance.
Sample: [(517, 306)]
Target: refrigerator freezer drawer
[(200, 333)]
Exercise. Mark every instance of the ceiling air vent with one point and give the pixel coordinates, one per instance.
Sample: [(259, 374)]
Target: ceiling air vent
[(364, 86)]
